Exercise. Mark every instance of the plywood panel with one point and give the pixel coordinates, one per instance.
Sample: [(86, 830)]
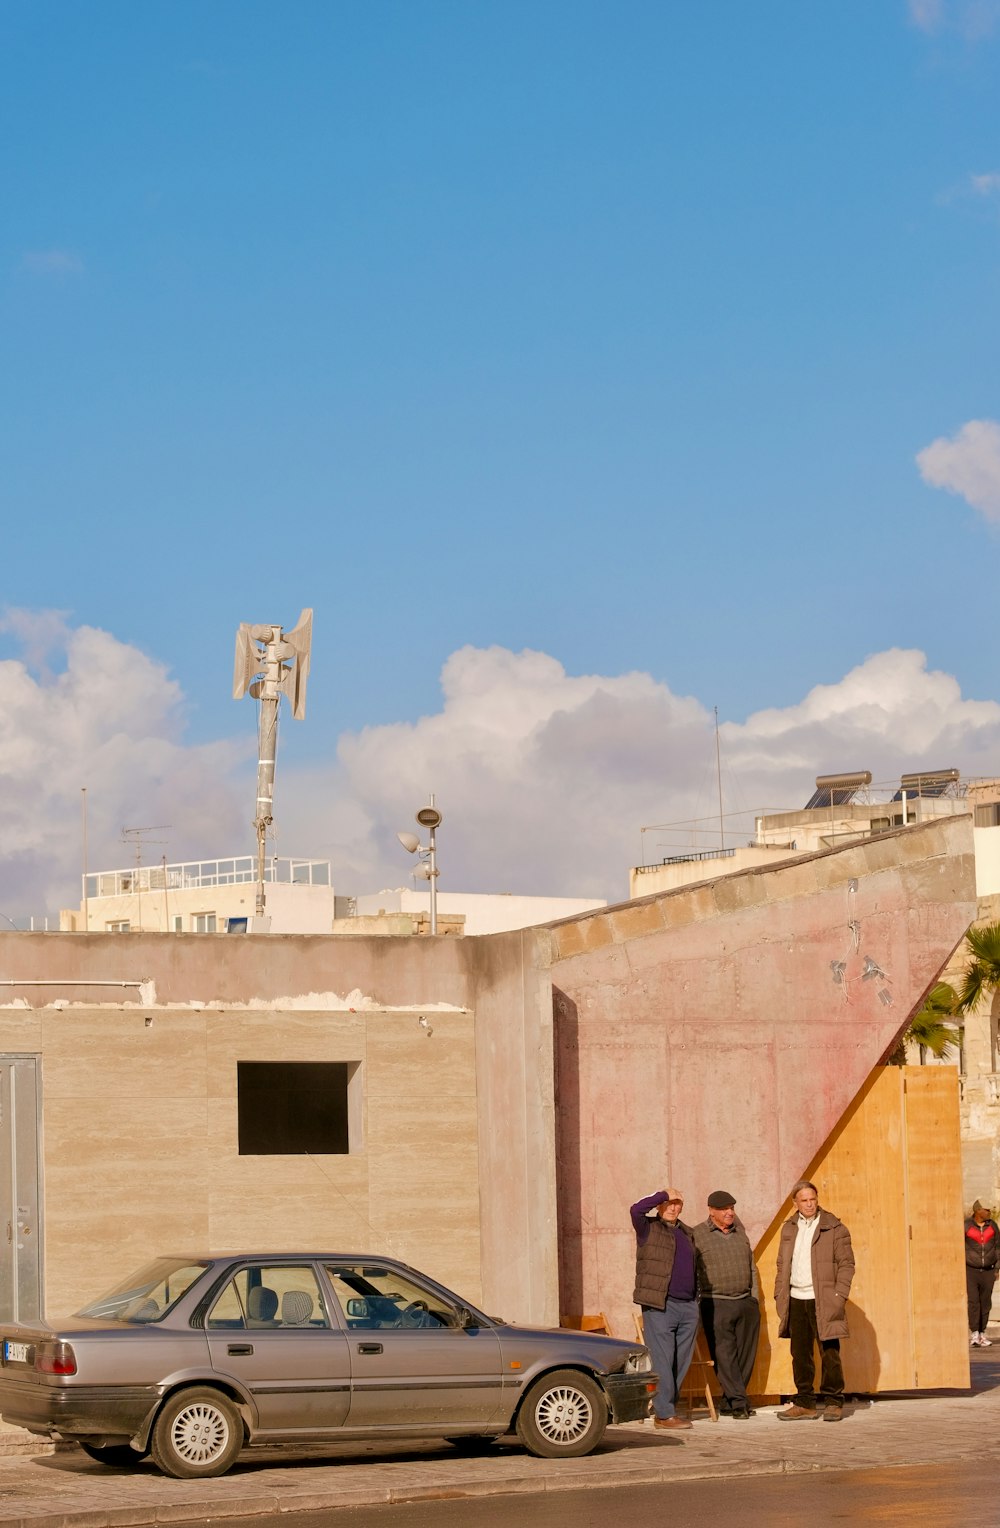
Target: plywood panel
[(892, 1172), (934, 1202)]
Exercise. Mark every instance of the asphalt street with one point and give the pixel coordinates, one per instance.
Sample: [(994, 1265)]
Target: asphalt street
[(947, 1495)]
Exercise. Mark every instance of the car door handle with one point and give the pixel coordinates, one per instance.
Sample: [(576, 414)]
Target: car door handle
[(369, 1347), (240, 1349)]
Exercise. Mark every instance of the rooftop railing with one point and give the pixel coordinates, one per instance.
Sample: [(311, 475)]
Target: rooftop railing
[(191, 875)]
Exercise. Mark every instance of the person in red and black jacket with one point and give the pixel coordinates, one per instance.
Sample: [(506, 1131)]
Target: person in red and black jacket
[(982, 1262)]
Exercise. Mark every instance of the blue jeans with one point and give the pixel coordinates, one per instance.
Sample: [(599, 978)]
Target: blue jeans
[(670, 1335)]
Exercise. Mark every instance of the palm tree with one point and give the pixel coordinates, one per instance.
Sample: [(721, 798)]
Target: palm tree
[(982, 977), (928, 1027)]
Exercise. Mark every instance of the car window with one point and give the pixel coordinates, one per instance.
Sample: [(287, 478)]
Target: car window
[(147, 1295), (374, 1298), (269, 1296)]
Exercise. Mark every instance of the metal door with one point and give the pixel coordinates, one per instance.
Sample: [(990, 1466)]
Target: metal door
[(294, 1363), (20, 1197), (432, 1374)]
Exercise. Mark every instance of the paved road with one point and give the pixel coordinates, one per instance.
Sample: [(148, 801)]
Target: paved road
[(430, 1484), (945, 1495)]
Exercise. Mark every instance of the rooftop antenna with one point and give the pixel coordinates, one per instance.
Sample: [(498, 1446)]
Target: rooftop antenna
[(140, 837), (271, 663)]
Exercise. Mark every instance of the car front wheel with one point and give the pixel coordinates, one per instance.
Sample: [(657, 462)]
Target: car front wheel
[(198, 1433), (563, 1415)]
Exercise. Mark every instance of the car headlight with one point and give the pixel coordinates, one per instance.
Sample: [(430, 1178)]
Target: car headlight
[(638, 1363)]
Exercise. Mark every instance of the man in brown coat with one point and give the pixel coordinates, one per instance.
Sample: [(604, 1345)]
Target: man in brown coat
[(811, 1285)]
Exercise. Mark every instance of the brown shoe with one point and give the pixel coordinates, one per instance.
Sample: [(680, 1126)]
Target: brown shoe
[(798, 1414), (672, 1423), (833, 1413)]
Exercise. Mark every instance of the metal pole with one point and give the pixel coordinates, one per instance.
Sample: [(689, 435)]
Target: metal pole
[(266, 750), (718, 773), (434, 889), (86, 905)]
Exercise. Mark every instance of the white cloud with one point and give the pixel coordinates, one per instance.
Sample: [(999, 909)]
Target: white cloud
[(544, 778), (51, 262), (110, 719), (967, 464), (985, 185)]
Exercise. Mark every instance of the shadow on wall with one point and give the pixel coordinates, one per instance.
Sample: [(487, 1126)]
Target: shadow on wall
[(860, 1352), (569, 1169)]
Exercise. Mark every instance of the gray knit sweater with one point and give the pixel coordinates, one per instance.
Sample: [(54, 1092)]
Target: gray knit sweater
[(724, 1262)]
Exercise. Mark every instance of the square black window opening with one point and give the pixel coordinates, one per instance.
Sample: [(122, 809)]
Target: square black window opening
[(291, 1108)]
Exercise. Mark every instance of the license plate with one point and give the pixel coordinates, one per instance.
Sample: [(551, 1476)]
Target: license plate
[(15, 1352)]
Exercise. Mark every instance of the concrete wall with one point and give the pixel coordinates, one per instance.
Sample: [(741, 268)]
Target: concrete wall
[(139, 1123), (712, 1037), (484, 913), (648, 880), (293, 909), (987, 861)]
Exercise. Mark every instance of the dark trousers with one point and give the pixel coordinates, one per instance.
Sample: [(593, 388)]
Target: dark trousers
[(979, 1286), (731, 1331), (804, 1335)]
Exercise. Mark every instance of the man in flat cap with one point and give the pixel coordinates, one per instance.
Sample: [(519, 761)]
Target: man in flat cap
[(727, 1290)]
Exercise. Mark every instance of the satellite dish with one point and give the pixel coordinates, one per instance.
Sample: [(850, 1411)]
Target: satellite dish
[(429, 817)]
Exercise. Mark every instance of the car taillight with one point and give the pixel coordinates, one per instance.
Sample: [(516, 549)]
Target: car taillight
[(55, 1358)]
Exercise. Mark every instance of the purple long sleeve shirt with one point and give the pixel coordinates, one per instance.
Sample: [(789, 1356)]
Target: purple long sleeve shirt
[(682, 1275)]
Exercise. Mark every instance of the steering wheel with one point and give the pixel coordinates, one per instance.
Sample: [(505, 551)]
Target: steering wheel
[(414, 1314)]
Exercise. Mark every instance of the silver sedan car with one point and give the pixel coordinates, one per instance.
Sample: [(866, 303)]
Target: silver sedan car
[(194, 1358)]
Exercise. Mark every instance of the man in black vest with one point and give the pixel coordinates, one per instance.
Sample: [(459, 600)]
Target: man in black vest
[(665, 1288)]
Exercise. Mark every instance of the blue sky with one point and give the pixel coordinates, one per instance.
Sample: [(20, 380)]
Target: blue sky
[(610, 332)]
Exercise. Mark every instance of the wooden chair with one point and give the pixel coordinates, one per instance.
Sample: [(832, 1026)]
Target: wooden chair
[(698, 1380), (698, 1377), (598, 1323)]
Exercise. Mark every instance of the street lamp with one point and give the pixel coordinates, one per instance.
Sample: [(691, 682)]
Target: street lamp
[(430, 818)]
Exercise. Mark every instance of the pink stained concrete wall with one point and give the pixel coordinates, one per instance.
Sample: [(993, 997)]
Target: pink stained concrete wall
[(712, 1037)]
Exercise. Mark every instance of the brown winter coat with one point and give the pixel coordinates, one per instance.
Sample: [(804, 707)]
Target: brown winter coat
[(832, 1273)]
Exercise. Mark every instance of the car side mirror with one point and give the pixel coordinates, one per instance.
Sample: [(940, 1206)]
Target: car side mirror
[(357, 1310), (466, 1319)]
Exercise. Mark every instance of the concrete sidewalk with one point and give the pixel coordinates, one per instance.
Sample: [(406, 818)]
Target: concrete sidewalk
[(65, 1489)]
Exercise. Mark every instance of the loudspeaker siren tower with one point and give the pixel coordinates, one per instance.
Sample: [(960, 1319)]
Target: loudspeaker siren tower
[(270, 663)]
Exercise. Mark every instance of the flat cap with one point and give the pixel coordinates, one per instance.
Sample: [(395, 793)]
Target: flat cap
[(720, 1200)]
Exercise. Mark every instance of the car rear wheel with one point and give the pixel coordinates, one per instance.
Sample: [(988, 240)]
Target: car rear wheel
[(198, 1433), (563, 1415), (118, 1456)]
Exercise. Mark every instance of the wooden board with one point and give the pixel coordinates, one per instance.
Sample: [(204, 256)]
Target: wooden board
[(892, 1172)]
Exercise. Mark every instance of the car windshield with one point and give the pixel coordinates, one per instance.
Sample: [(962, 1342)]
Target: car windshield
[(147, 1295)]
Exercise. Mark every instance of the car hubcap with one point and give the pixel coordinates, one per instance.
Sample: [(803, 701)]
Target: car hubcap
[(199, 1434), (563, 1414)]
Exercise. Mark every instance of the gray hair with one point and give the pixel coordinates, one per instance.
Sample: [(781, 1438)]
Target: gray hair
[(804, 1183)]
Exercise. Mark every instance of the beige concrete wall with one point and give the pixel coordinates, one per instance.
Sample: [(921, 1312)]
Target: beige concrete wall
[(140, 1145), (514, 1040), (648, 880), (292, 909), (139, 1120)]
